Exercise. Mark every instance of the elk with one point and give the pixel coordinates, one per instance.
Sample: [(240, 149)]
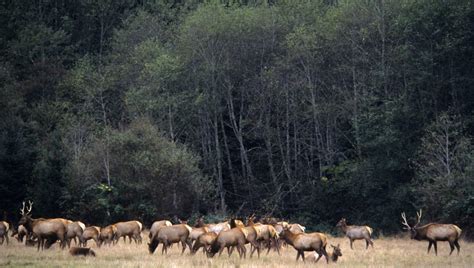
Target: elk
[(43, 229), (107, 235), (74, 229), (433, 232), (157, 225), (335, 254), (20, 233), (266, 233), (168, 235), (132, 229), (235, 237), (205, 240), (91, 232), (4, 228), (306, 242), (76, 251), (354, 232), (213, 227), (196, 232)]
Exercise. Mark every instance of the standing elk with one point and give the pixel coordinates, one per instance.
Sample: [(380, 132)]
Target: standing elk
[(107, 235), (132, 229), (20, 233), (235, 237), (168, 235), (4, 228), (355, 232), (433, 232), (306, 242), (157, 225), (74, 230), (91, 232), (213, 227), (43, 229), (205, 240)]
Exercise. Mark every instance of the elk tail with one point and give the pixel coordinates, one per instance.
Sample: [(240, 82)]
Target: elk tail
[(458, 230), (370, 230)]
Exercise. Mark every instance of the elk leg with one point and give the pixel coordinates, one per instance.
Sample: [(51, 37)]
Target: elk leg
[(221, 250), (302, 256), (190, 245), (231, 250), (351, 243), (436, 248), (451, 245), (429, 246), (6, 238), (320, 255), (458, 247), (244, 250), (325, 254)]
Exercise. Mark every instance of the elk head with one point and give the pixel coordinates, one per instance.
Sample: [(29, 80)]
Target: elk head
[(25, 215), (337, 250), (413, 230), (341, 223)]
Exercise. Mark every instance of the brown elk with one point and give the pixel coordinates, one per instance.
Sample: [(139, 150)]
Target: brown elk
[(76, 251), (354, 232), (157, 225), (196, 232), (4, 228), (91, 232), (335, 254), (235, 237), (213, 227), (306, 242), (43, 229), (20, 233), (132, 229), (74, 230), (265, 233), (433, 232), (168, 235), (107, 235), (205, 240)]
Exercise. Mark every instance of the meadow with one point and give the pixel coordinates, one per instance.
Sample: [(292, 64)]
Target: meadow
[(387, 252)]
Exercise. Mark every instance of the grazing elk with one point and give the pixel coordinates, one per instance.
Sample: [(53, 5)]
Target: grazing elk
[(168, 235), (205, 240), (48, 230), (132, 229), (76, 251), (157, 225), (433, 232), (107, 235), (235, 237), (306, 242), (91, 232), (196, 232), (354, 232), (4, 228)]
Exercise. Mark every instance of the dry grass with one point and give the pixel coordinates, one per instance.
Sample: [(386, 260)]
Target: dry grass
[(388, 252)]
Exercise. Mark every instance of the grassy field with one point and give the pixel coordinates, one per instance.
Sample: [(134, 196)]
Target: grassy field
[(387, 252)]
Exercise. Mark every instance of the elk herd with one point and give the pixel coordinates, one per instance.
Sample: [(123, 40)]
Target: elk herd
[(213, 238)]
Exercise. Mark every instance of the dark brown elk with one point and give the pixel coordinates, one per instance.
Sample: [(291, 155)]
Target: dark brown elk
[(306, 242), (76, 251), (91, 232), (132, 229), (107, 235), (205, 241), (74, 230), (4, 228), (355, 232), (157, 225), (235, 237), (335, 254), (48, 230), (168, 235), (433, 232)]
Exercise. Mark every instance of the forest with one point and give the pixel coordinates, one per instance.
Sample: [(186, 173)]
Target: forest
[(302, 110)]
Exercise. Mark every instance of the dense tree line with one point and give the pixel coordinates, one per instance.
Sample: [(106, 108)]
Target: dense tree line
[(308, 110)]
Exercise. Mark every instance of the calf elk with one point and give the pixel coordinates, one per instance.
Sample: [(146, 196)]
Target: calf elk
[(433, 232), (354, 232)]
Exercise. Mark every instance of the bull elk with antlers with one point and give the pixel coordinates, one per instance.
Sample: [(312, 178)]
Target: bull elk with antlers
[(44, 229), (433, 232)]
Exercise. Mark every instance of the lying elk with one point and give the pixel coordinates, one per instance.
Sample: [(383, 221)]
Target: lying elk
[(306, 242), (43, 229), (91, 232), (157, 225), (75, 251), (355, 232), (132, 229), (335, 254), (4, 228), (168, 235), (107, 235), (434, 232)]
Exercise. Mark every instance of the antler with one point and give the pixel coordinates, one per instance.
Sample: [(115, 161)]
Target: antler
[(22, 210), (404, 222), (30, 207), (418, 217)]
